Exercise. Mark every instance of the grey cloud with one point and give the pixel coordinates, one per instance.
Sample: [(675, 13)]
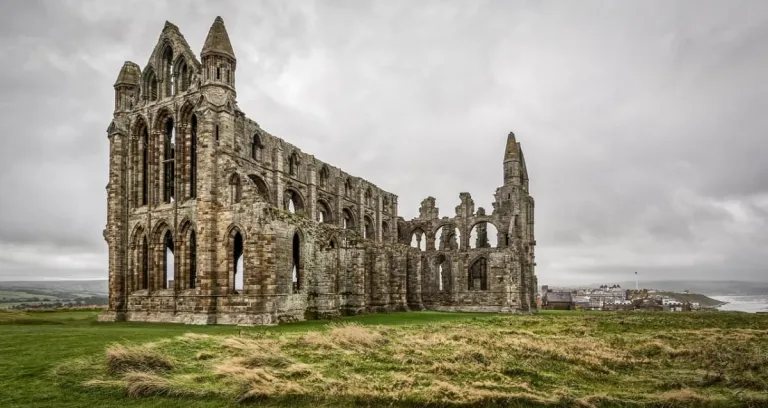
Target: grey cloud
[(643, 123)]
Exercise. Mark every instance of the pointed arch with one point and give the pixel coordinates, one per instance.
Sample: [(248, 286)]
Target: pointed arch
[(150, 84), (297, 261), (418, 239), (236, 260), (166, 62), (293, 200), (324, 213), (368, 197), (186, 151), (141, 162), (347, 219), (447, 237), (192, 268), (169, 261), (294, 163), (348, 188), (169, 155), (139, 259), (369, 232), (323, 176), (333, 242), (187, 259), (256, 147), (483, 234), (161, 119), (261, 188), (182, 72), (478, 274), (442, 269), (164, 249), (236, 188)]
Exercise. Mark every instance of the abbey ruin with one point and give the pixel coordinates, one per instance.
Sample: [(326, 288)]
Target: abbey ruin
[(210, 219)]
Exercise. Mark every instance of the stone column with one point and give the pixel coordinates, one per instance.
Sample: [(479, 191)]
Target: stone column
[(116, 231), (277, 175), (360, 212), (207, 233), (378, 231), (338, 216), (394, 237), (311, 204), (430, 237), (458, 279)]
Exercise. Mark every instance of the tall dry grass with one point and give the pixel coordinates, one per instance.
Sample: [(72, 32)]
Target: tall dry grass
[(470, 363)]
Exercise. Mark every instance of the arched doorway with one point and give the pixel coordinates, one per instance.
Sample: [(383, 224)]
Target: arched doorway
[(238, 264)]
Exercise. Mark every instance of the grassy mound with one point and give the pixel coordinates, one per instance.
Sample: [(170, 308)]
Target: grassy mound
[(610, 359)]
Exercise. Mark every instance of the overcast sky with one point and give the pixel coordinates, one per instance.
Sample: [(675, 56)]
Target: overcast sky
[(644, 123)]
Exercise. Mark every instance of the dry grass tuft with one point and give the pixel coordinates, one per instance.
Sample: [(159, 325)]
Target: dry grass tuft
[(264, 360), (204, 355), (143, 384), (121, 359), (196, 336), (682, 396), (315, 340), (355, 336)]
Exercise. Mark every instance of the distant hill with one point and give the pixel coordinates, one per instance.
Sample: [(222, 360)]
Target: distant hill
[(710, 288), (703, 300), (87, 287), (51, 293)]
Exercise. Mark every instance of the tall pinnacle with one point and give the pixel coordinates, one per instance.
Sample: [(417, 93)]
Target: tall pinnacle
[(511, 151), (217, 41)]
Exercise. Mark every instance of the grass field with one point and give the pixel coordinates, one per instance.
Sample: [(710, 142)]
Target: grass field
[(67, 359)]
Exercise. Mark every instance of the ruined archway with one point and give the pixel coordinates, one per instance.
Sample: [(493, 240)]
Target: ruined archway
[(369, 232), (292, 201), (419, 239), (443, 273), (324, 214), (478, 274), (296, 264), (261, 188), (141, 159), (236, 265), (347, 219), (483, 234), (235, 189), (447, 238), (139, 260), (256, 147)]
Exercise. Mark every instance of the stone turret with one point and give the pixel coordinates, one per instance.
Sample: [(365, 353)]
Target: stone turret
[(512, 161), (127, 86), (218, 57)]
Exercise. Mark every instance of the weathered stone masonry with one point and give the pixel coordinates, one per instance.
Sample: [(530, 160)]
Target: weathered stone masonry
[(210, 219)]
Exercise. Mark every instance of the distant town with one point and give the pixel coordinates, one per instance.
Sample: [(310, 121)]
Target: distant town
[(614, 297)]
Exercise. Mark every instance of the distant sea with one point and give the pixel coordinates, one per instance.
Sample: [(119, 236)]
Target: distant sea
[(749, 304)]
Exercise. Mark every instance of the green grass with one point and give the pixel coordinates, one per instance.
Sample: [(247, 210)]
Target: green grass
[(33, 343), (399, 359)]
